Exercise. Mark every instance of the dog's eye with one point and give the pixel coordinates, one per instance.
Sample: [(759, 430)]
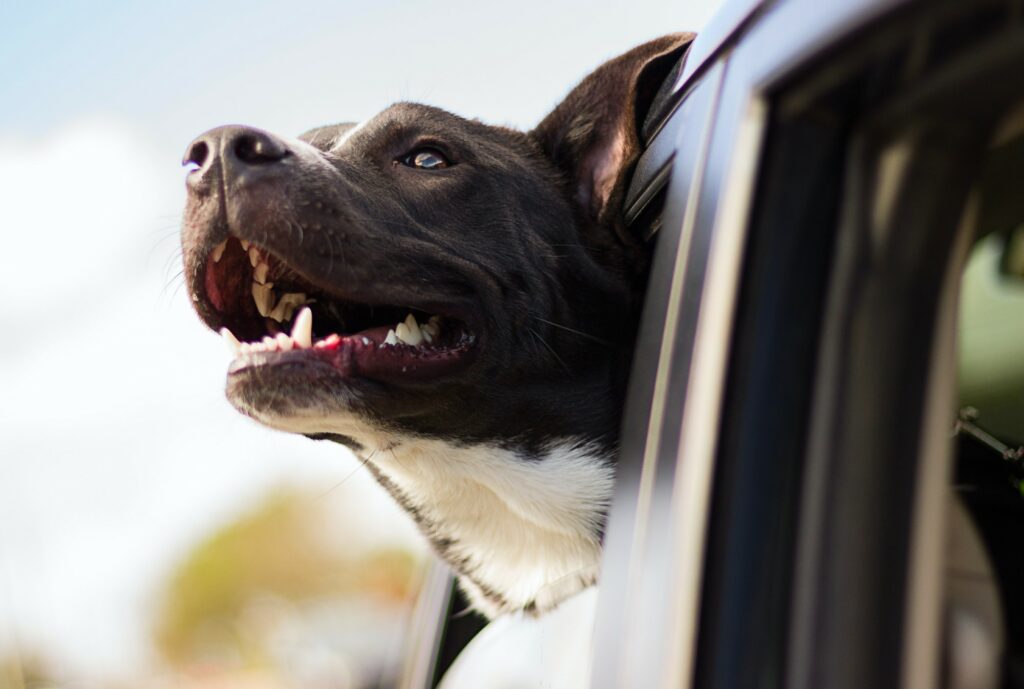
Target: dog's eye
[(426, 159)]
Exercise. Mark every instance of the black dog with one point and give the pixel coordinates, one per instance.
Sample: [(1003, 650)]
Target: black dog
[(461, 301)]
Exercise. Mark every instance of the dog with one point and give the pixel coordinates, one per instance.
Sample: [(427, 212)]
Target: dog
[(455, 302)]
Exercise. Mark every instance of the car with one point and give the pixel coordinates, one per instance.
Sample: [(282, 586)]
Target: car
[(820, 476)]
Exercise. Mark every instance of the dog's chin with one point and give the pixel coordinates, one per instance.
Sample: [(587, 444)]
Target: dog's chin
[(350, 388), (339, 413)]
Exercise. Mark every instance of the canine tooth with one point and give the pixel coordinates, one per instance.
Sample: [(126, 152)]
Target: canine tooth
[(302, 330), (392, 338), (254, 256), (245, 244), (218, 251), (263, 295), (234, 346), (284, 343), (261, 272)]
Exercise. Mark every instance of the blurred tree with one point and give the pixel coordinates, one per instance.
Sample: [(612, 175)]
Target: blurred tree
[(25, 671), (288, 549)]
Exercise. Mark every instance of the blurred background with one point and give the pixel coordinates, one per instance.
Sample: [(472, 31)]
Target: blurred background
[(149, 535)]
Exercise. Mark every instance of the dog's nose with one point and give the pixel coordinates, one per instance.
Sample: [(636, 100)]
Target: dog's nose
[(236, 148)]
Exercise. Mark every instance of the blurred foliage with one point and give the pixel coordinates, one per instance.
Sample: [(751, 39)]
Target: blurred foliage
[(287, 549), (24, 671), (992, 343)]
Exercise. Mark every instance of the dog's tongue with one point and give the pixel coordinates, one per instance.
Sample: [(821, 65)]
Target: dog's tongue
[(364, 354)]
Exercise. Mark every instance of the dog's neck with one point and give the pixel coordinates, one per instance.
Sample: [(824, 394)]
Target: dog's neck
[(521, 531)]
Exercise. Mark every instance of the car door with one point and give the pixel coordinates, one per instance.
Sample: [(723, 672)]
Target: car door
[(786, 490)]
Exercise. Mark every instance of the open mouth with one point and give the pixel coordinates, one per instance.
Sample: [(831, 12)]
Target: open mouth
[(269, 315)]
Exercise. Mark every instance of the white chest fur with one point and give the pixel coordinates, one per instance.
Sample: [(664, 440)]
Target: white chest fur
[(524, 531)]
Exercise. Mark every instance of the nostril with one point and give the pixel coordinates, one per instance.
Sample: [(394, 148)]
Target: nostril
[(256, 149), (196, 156)]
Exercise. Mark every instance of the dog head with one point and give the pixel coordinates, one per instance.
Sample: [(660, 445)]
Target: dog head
[(426, 274)]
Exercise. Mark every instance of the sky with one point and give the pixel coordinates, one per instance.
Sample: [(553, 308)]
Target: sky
[(117, 449)]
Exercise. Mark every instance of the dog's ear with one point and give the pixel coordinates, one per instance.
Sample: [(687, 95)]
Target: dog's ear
[(593, 135)]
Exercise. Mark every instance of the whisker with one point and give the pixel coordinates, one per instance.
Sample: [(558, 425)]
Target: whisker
[(574, 331), (362, 464), (540, 339)]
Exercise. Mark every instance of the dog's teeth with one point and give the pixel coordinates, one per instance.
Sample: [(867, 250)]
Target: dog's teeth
[(284, 343), (286, 306), (218, 251), (233, 345), (294, 298), (392, 338), (245, 244), (302, 330), (263, 295), (280, 312), (430, 330), (269, 342), (410, 321), (261, 272), (408, 331), (414, 330), (254, 256), (366, 340)]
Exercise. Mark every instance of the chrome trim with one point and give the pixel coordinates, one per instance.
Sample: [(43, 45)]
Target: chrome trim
[(631, 656), (704, 392)]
